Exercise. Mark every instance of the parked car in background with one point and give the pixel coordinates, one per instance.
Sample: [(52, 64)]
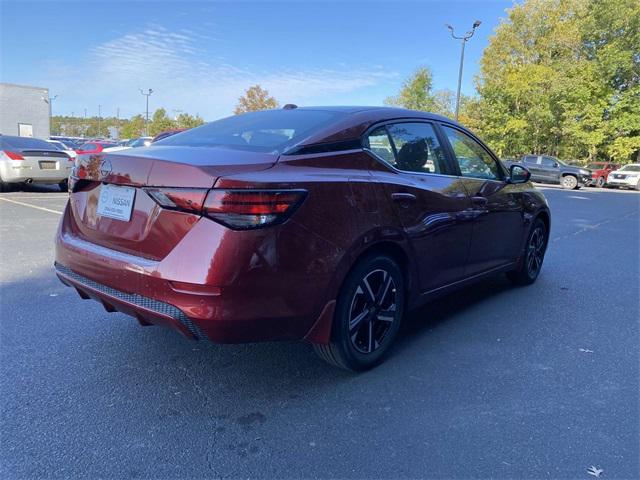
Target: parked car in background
[(628, 176), (323, 224), (133, 143), (600, 172), (94, 146), (167, 133), (63, 147), (547, 169), (27, 160)]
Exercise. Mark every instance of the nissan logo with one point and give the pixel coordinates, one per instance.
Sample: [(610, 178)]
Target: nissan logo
[(105, 168)]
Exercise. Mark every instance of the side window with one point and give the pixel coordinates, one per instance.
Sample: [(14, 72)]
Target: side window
[(417, 148), (473, 159), (379, 143), (531, 159), (548, 162)]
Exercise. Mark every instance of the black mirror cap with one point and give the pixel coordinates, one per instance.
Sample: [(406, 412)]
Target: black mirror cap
[(519, 174)]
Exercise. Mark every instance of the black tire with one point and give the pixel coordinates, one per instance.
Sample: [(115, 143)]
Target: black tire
[(600, 182), (570, 182), (64, 185), (367, 316), (5, 187), (533, 256)]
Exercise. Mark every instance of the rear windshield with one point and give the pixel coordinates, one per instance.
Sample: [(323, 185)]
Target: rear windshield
[(22, 143), (264, 131)]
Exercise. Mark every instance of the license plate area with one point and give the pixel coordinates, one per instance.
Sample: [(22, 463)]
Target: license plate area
[(44, 165), (116, 202)]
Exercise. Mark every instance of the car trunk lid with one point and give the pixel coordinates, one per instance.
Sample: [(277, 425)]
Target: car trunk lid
[(149, 231)]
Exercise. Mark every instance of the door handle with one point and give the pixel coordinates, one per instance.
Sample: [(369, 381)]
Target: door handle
[(479, 201), (402, 197)]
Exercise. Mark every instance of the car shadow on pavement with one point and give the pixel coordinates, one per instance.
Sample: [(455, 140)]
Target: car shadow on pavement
[(153, 358)]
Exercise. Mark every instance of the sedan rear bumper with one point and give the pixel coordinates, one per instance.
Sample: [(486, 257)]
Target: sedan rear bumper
[(17, 171), (251, 309)]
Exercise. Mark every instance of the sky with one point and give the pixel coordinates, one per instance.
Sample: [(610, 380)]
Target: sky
[(199, 57)]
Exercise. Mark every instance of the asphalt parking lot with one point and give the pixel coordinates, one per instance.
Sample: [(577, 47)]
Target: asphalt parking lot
[(493, 381)]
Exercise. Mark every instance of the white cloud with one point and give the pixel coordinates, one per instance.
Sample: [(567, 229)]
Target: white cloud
[(186, 76)]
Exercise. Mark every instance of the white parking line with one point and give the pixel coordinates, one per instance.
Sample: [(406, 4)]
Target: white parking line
[(29, 205)]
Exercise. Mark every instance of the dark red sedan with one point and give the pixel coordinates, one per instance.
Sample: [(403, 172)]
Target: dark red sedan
[(322, 224)]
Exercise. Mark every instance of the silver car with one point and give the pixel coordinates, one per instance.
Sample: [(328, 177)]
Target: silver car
[(26, 160)]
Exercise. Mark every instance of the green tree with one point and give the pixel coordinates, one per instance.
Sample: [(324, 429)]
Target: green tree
[(160, 122), (184, 120), (561, 77), (133, 128), (416, 92), (255, 98)]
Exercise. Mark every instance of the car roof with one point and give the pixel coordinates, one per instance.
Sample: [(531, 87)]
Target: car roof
[(358, 119)]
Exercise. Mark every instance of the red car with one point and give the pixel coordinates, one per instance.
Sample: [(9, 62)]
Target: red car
[(95, 146), (322, 224), (600, 172)]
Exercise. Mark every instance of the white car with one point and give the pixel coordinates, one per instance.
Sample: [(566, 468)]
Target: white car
[(136, 142), (61, 146), (27, 159), (627, 176)]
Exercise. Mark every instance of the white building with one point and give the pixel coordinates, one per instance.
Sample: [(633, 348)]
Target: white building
[(24, 111)]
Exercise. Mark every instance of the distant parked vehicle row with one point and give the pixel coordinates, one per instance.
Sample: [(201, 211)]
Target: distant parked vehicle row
[(626, 177), (600, 172), (548, 169), (26, 160)]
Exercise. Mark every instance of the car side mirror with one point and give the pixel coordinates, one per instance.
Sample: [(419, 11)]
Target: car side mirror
[(519, 174), (556, 165)]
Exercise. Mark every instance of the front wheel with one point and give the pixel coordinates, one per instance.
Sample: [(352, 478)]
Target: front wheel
[(367, 316), (536, 247), (600, 182), (569, 182)]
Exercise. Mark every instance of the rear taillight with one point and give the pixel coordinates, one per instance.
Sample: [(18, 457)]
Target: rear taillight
[(183, 199), (13, 155), (245, 209)]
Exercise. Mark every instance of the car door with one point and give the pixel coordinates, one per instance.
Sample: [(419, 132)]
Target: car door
[(498, 219), (551, 169), (532, 162), (431, 204)]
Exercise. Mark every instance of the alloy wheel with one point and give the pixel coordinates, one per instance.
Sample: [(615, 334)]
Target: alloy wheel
[(569, 182), (535, 251), (373, 310)]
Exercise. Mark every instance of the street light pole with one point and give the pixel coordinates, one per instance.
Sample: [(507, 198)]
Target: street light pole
[(146, 121), (464, 39)]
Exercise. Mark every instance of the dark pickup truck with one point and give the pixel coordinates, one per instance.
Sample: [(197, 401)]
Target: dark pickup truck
[(547, 169)]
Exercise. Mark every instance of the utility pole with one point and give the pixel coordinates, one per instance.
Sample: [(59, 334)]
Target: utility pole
[(146, 121), (464, 39)]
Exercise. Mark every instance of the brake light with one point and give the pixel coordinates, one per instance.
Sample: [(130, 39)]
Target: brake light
[(182, 199), (13, 155), (245, 209)]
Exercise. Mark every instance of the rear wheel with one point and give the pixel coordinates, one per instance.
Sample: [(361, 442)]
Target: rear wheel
[(535, 248), (64, 185), (600, 182), (5, 187), (569, 182), (638, 185), (368, 314)]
